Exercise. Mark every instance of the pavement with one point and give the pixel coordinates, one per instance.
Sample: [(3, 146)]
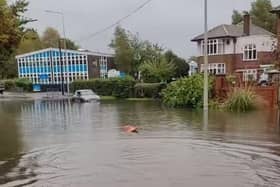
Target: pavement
[(33, 96)]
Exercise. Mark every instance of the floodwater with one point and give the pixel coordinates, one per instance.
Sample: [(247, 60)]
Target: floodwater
[(63, 144)]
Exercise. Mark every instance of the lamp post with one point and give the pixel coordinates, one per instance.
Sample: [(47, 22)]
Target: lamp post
[(65, 45), (205, 95)]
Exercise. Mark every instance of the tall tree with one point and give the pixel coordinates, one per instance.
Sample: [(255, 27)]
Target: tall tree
[(50, 37), (11, 31), (260, 14), (123, 51), (236, 17), (30, 42), (180, 64)]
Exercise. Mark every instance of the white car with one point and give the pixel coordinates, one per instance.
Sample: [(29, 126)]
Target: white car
[(85, 96)]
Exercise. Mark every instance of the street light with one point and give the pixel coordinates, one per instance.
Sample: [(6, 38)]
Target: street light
[(65, 45), (205, 95)]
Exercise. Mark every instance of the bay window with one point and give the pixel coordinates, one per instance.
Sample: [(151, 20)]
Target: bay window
[(215, 68), (215, 47)]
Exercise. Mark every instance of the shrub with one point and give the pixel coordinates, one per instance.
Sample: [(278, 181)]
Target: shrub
[(241, 100), (117, 87), (186, 92), (149, 90), (25, 84), (155, 71), (12, 84)]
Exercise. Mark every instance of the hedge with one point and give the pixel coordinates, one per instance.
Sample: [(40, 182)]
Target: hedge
[(14, 84), (149, 90), (117, 87)]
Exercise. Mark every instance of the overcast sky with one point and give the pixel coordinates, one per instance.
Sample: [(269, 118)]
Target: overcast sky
[(171, 23)]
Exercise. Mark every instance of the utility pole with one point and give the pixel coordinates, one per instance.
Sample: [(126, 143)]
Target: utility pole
[(65, 45), (205, 95), (61, 68)]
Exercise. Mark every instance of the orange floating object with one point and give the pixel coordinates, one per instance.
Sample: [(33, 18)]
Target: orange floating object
[(130, 129)]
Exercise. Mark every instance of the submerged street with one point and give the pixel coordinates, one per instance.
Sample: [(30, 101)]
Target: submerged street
[(66, 144)]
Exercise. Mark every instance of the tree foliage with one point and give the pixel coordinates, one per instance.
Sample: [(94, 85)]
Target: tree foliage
[(157, 70), (186, 92), (123, 50), (11, 31), (50, 38), (260, 14), (30, 42), (181, 66)]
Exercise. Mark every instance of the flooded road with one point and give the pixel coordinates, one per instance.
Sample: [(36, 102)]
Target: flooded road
[(64, 144)]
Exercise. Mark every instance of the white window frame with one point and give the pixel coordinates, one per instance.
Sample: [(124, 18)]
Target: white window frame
[(250, 52), (215, 47), (215, 68), (250, 72)]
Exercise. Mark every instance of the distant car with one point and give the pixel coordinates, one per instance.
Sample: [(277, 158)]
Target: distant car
[(85, 96), (2, 88)]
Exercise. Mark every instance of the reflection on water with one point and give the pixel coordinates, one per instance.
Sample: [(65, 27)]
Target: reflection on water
[(66, 144)]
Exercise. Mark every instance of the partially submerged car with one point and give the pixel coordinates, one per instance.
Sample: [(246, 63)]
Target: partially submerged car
[(85, 96)]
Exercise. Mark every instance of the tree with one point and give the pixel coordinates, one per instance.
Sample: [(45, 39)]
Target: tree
[(181, 66), (155, 71), (50, 38), (260, 14), (236, 17), (71, 44), (11, 31), (29, 42), (123, 51)]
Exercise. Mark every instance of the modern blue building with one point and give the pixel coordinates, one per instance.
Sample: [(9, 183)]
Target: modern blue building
[(44, 67)]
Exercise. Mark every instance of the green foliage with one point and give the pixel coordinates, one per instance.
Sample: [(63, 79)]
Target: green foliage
[(123, 51), (71, 44), (117, 87), (11, 31), (12, 84), (25, 84), (186, 92), (181, 66), (157, 71), (241, 100), (50, 38), (236, 17), (260, 14), (29, 42), (149, 90)]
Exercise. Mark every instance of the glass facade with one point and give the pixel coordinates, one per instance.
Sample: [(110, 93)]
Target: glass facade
[(44, 67)]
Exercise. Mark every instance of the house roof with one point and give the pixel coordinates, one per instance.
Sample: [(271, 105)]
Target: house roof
[(69, 52), (232, 31)]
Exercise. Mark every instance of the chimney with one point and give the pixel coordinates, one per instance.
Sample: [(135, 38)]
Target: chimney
[(247, 24)]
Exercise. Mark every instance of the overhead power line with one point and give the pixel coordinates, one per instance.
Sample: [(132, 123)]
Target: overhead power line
[(117, 22)]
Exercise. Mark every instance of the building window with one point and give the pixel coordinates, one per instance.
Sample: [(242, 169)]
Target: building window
[(250, 75), (250, 52), (215, 68), (215, 47)]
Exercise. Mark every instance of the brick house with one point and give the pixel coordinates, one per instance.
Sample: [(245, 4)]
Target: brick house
[(243, 49)]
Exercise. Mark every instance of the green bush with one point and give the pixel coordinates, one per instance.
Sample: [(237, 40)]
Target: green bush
[(241, 100), (9, 84), (149, 90), (12, 84), (186, 92), (117, 87), (25, 84)]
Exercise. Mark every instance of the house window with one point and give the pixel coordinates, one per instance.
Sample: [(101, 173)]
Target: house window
[(250, 75), (215, 68), (215, 47), (250, 52)]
